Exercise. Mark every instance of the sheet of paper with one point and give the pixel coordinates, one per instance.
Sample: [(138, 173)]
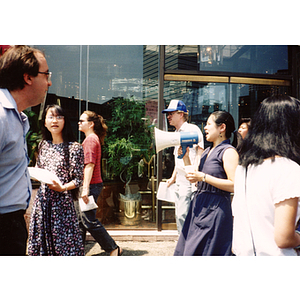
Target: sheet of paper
[(42, 175), (166, 193), (181, 171), (186, 169), (91, 204)]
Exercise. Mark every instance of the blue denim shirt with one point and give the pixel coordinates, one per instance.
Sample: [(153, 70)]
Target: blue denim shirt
[(15, 185)]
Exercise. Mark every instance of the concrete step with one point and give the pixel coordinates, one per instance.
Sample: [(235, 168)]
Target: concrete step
[(140, 235)]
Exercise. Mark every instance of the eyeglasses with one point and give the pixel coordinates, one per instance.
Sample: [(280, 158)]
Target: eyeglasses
[(82, 121), (49, 74), (57, 117), (172, 113)]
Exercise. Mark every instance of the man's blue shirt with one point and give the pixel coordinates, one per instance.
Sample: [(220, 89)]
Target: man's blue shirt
[(15, 185)]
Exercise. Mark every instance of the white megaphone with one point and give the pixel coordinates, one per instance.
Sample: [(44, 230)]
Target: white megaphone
[(165, 139)]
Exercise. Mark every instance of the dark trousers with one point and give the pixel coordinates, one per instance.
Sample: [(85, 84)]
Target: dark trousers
[(89, 222), (13, 233)]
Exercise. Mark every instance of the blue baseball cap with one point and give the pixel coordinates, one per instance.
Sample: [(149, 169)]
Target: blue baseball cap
[(174, 106)]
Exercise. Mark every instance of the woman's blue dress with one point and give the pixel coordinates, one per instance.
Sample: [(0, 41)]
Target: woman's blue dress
[(208, 226)]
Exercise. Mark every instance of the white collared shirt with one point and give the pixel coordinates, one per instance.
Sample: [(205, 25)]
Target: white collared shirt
[(187, 127)]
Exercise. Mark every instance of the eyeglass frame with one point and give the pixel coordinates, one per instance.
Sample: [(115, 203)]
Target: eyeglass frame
[(49, 74), (82, 121), (58, 117), (171, 113)]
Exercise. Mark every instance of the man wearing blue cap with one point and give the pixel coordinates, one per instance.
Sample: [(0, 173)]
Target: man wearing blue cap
[(177, 115)]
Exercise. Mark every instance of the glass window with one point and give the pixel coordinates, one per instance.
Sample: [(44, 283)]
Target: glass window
[(244, 58), (95, 73), (101, 75), (181, 57), (259, 59), (201, 99), (115, 71), (65, 65)]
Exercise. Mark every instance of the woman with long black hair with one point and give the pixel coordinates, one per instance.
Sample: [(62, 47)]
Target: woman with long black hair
[(54, 228), (266, 204)]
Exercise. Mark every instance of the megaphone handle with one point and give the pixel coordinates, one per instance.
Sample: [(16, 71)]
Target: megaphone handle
[(183, 152)]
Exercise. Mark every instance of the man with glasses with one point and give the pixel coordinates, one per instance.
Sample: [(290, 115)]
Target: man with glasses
[(177, 115), (24, 82)]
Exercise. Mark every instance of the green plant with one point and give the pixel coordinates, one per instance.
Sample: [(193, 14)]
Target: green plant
[(129, 138), (33, 137)]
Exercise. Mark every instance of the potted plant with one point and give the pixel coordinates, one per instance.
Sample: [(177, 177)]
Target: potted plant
[(128, 143), (129, 139)]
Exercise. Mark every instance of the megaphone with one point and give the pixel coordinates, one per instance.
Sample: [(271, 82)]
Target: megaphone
[(165, 139)]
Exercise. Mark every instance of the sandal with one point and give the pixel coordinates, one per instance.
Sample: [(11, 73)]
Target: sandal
[(119, 251)]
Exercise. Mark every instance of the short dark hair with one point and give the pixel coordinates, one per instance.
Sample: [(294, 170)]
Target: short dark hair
[(274, 131), (14, 63)]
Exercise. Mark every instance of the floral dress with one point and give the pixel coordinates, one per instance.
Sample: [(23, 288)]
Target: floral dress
[(54, 228)]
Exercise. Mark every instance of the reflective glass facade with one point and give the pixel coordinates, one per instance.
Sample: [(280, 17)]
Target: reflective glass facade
[(95, 73), (235, 78), (228, 58)]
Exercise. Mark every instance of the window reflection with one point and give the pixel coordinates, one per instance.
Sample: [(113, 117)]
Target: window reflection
[(241, 100), (259, 59), (244, 58), (95, 73)]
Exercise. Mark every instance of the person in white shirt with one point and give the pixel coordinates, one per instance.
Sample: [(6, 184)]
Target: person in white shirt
[(177, 115), (266, 205)]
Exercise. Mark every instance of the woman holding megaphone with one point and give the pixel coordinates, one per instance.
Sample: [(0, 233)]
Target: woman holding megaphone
[(208, 226)]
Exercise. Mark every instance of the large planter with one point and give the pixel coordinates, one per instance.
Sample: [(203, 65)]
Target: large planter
[(113, 208), (130, 209)]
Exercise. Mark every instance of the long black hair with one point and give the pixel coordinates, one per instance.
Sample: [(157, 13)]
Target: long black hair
[(224, 117), (274, 130), (67, 133)]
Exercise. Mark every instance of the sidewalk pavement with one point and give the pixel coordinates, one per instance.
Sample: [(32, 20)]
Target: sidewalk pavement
[(137, 243)]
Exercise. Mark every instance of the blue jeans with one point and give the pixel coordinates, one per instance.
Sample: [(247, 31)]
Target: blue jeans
[(89, 222)]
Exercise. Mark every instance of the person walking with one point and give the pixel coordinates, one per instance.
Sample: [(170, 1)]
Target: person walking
[(177, 115), (24, 82), (54, 228), (94, 128), (207, 230)]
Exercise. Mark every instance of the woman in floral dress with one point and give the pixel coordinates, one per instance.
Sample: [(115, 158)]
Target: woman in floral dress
[(54, 228)]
